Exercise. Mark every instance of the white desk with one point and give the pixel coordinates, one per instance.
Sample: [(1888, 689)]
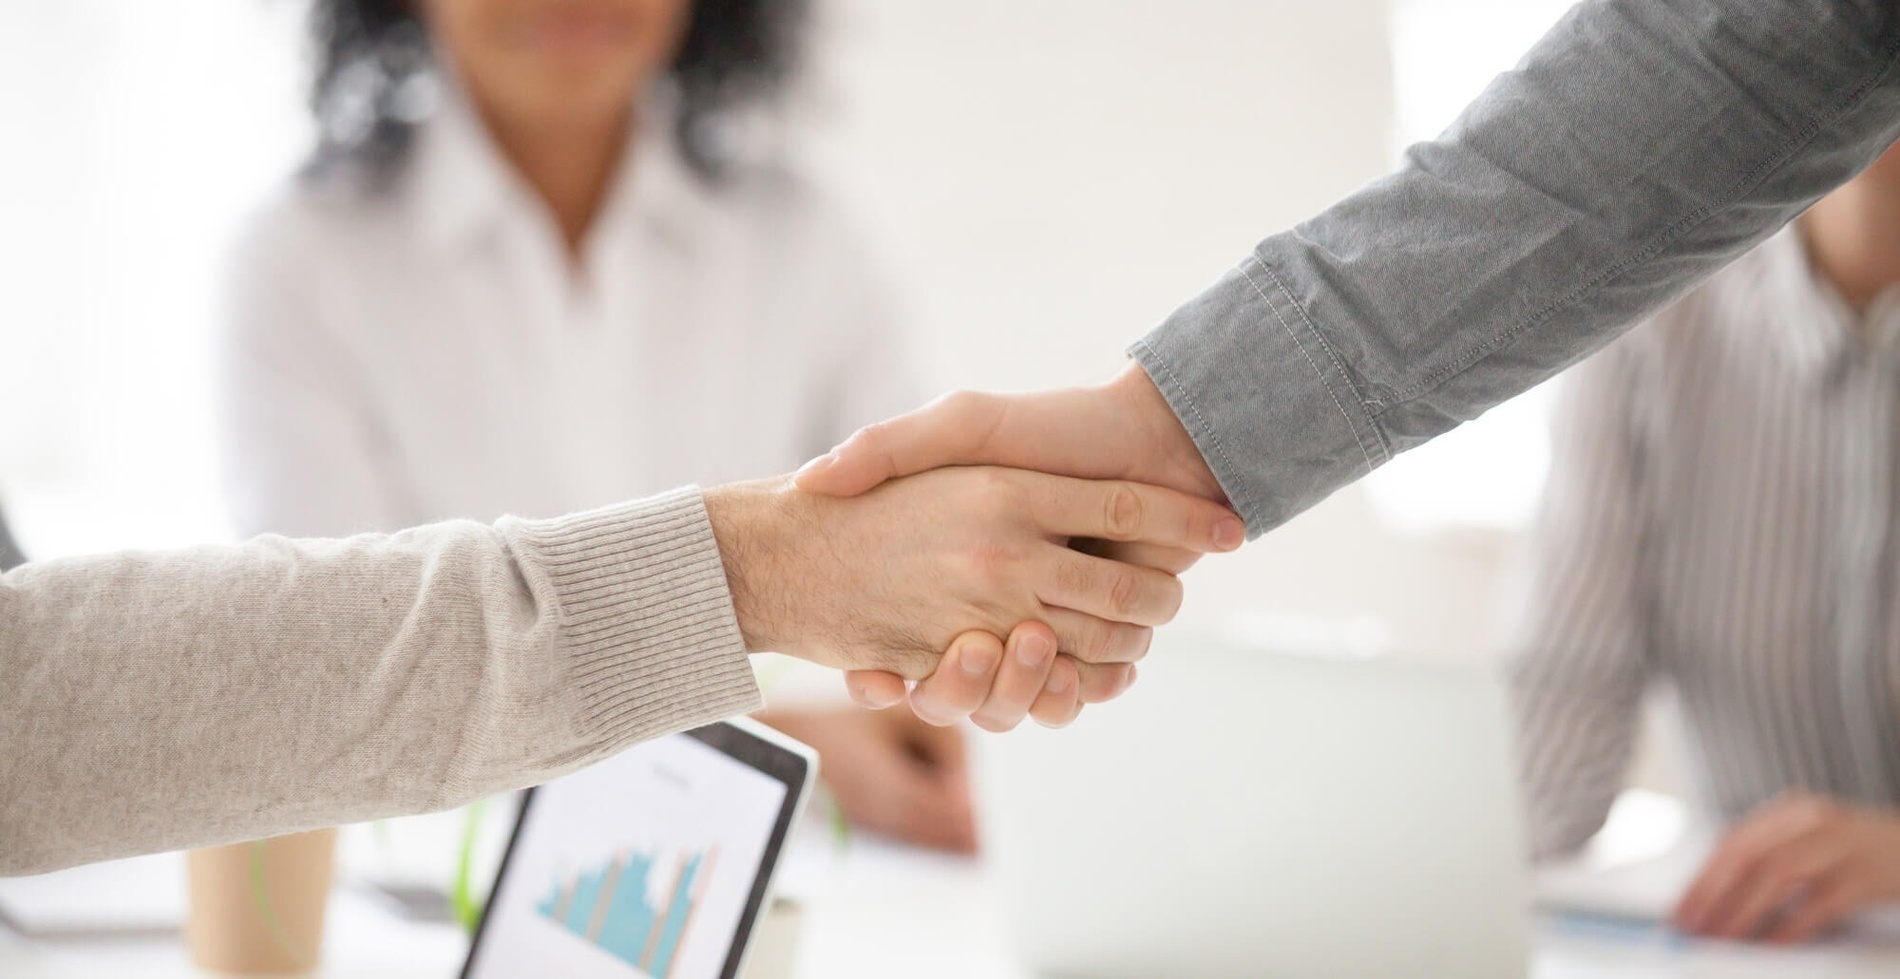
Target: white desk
[(881, 911)]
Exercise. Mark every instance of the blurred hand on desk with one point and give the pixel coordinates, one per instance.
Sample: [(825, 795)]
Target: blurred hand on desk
[(1793, 869), (890, 773), (1120, 430)]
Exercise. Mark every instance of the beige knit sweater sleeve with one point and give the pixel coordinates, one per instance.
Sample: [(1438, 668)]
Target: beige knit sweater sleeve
[(157, 701)]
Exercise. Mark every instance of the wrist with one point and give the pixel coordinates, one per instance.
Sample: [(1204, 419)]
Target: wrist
[(754, 527), (1154, 420)]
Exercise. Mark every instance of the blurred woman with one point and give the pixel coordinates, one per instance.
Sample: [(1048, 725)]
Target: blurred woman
[(1721, 516), (534, 228)]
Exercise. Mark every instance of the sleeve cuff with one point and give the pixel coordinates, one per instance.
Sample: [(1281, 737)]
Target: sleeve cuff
[(1271, 407), (646, 616)]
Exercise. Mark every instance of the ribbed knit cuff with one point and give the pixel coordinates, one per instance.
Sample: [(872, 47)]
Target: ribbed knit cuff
[(645, 614)]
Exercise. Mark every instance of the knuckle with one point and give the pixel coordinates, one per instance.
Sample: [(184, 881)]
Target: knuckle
[(1074, 578), (1171, 597), (1125, 593), (961, 402), (995, 563), (1131, 644), (1122, 515), (1100, 683), (996, 482), (1108, 645), (998, 493), (870, 436)]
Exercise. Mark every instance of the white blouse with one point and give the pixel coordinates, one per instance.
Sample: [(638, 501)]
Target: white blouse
[(428, 350)]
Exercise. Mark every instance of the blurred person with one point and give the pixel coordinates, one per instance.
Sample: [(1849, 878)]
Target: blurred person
[(1721, 518), (571, 281)]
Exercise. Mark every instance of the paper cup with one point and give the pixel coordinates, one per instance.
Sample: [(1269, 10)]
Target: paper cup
[(257, 908)]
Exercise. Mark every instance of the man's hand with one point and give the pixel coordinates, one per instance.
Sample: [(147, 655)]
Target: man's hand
[(1793, 869), (997, 686), (890, 772), (1123, 429), (886, 580)]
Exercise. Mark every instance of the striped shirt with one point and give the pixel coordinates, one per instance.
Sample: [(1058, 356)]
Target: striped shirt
[(1719, 518)]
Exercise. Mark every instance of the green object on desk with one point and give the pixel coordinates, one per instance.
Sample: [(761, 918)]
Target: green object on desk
[(468, 909)]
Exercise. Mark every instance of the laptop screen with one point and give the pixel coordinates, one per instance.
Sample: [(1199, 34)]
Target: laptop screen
[(650, 864)]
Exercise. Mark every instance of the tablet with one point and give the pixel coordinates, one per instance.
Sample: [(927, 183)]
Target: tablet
[(654, 863)]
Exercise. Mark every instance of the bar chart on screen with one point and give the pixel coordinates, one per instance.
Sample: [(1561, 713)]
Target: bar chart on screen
[(636, 868), (638, 907)]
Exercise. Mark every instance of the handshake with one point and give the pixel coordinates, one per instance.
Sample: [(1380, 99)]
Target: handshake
[(1059, 520)]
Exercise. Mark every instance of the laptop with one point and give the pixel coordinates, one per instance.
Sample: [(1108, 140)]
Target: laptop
[(1252, 814), (654, 863)]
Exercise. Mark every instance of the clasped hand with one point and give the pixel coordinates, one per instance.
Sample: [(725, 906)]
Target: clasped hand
[(906, 553)]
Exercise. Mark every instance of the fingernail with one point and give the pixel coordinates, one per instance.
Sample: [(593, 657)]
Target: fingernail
[(1060, 680), (1229, 533), (978, 662), (818, 465), (1033, 649)]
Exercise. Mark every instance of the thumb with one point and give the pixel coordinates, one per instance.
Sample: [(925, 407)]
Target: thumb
[(949, 431)]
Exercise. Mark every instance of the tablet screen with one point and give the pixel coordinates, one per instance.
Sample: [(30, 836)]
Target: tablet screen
[(648, 864)]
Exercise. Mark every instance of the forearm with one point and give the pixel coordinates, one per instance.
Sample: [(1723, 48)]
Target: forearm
[(1642, 145), (1576, 736), (1581, 638), (163, 701)]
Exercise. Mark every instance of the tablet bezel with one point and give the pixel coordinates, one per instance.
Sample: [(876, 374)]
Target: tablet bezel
[(759, 747)]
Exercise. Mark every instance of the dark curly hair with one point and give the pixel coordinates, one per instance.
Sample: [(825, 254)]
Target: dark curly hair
[(375, 67)]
